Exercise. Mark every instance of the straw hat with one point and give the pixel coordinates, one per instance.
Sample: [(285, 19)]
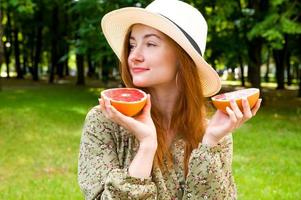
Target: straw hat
[(180, 21)]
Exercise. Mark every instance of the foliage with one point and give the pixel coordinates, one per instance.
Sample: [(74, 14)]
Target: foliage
[(233, 28), (281, 19)]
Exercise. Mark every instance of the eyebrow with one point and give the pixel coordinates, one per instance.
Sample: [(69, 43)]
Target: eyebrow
[(147, 36)]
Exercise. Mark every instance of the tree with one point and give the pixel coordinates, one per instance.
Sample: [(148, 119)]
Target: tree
[(38, 28), (8, 36), (21, 12), (280, 23), (1, 35), (1, 45)]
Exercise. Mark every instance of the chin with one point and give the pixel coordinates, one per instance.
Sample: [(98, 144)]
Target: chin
[(140, 83)]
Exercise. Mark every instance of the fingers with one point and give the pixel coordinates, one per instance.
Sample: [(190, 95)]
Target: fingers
[(102, 105), (111, 113), (232, 117), (245, 114), (256, 107), (241, 115), (236, 110), (237, 113), (105, 107), (109, 109), (246, 109)]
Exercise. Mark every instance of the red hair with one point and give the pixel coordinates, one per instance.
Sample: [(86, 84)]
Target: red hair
[(188, 117)]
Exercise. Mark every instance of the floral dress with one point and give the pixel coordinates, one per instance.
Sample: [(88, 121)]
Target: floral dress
[(107, 149)]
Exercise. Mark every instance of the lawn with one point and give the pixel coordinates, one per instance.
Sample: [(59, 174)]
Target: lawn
[(40, 128)]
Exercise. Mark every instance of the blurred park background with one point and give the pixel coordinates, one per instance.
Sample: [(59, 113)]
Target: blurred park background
[(54, 61)]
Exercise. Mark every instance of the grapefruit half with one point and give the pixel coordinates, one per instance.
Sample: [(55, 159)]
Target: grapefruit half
[(128, 101), (221, 101)]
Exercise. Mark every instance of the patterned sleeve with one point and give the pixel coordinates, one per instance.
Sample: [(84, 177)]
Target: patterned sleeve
[(210, 172), (100, 175)]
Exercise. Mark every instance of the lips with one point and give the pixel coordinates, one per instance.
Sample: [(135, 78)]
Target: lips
[(139, 69)]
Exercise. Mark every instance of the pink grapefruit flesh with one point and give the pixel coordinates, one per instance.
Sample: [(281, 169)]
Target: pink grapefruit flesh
[(128, 101), (222, 101)]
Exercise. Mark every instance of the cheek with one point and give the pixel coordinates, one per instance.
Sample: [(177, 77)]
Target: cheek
[(170, 63), (165, 72)]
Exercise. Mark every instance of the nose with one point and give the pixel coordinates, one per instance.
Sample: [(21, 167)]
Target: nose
[(136, 55)]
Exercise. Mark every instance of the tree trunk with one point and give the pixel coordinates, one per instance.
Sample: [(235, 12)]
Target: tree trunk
[(7, 52), (242, 71), (91, 69), (38, 44), (32, 57), (279, 61), (299, 74), (66, 65), (286, 59), (25, 60), (288, 69), (66, 34), (1, 45), (7, 44), (17, 54), (254, 51), (63, 43), (281, 57), (63, 53), (240, 57), (296, 71), (60, 63), (255, 45), (54, 45), (80, 69), (266, 76), (37, 56)]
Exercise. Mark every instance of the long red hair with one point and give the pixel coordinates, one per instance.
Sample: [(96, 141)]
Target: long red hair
[(188, 118)]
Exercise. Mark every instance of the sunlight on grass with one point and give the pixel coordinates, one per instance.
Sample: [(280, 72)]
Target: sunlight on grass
[(39, 145), (266, 156)]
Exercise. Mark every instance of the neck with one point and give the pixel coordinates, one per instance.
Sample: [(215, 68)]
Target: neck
[(165, 99)]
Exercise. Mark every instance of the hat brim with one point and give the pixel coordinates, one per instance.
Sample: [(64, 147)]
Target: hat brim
[(116, 24)]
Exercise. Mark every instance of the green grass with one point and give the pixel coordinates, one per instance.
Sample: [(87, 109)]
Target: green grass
[(39, 140), (267, 150), (40, 128)]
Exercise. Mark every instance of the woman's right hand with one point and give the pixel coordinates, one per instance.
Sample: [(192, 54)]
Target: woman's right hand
[(141, 125)]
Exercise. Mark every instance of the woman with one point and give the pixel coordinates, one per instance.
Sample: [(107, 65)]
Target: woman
[(170, 150)]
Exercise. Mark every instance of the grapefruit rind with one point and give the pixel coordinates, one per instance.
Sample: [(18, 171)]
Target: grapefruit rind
[(127, 108), (252, 95)]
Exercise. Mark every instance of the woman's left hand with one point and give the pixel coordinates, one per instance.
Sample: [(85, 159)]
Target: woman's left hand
[(222, 124)]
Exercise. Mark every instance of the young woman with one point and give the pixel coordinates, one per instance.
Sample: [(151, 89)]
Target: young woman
[(170, 150)]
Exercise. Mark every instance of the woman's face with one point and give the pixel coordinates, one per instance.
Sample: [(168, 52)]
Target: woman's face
[(152, 59)]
